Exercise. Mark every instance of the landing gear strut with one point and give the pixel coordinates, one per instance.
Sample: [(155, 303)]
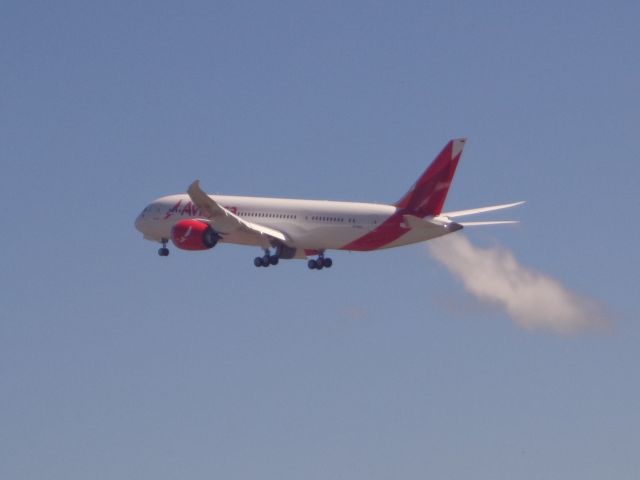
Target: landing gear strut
[(267, 259), (164, 251), (320, 262)]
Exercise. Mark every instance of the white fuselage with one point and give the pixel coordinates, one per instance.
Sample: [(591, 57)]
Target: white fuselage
[(307, 224), (302, 228)]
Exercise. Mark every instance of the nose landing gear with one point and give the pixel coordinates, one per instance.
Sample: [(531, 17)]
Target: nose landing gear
[(164, 251)]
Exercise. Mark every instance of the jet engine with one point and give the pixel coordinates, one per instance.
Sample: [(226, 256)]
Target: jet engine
[(194, 235)]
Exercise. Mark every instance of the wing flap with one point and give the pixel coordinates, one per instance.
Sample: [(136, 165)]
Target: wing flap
[(262, 230)]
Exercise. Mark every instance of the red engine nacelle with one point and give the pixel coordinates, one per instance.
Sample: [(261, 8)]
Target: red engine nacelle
[(194, 235)]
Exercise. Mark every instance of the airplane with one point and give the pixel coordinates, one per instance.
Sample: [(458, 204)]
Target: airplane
[(288, 228)]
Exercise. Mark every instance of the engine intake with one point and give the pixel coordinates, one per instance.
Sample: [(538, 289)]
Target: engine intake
[(194, 235)]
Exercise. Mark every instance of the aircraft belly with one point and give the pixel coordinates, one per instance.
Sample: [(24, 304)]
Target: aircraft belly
[(319, 237), (324, 238)]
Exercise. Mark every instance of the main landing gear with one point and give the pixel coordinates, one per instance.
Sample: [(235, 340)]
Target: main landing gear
[(266, 260), (320, 263), (164, 251)]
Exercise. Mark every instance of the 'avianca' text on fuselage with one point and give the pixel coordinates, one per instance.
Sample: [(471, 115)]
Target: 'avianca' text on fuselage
[(291, 228)]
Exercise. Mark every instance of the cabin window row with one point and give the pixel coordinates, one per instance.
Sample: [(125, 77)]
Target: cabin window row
[(267, 215), (327, 219), (318, 218)]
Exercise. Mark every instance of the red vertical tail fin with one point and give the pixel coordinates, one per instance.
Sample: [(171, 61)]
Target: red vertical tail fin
[(427, 195)]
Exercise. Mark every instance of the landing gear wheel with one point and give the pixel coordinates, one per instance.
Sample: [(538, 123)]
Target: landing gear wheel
[(320, 262), (164, 251), (266, 261), (274, 259), (257, 261)]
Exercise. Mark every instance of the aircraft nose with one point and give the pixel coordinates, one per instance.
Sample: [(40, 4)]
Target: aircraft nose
[(139, 222)]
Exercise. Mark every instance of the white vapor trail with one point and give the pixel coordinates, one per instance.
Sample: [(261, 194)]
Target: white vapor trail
[(533, 300)]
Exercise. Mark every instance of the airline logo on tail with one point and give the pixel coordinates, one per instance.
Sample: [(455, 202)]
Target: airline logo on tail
[(427, 196)]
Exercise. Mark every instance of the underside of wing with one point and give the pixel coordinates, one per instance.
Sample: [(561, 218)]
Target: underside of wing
[(226, 222)]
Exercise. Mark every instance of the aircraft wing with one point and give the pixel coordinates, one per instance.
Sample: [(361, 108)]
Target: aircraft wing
[(224, 221)]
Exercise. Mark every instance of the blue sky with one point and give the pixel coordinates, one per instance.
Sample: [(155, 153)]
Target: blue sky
[(115, 363)]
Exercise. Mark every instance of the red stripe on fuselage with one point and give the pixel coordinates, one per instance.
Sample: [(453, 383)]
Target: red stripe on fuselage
[(425, 198), (388, 231)]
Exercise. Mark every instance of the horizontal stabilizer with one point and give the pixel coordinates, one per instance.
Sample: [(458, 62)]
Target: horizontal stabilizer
[(498, 222), (417, 223), (420, 223), (473, 211)]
